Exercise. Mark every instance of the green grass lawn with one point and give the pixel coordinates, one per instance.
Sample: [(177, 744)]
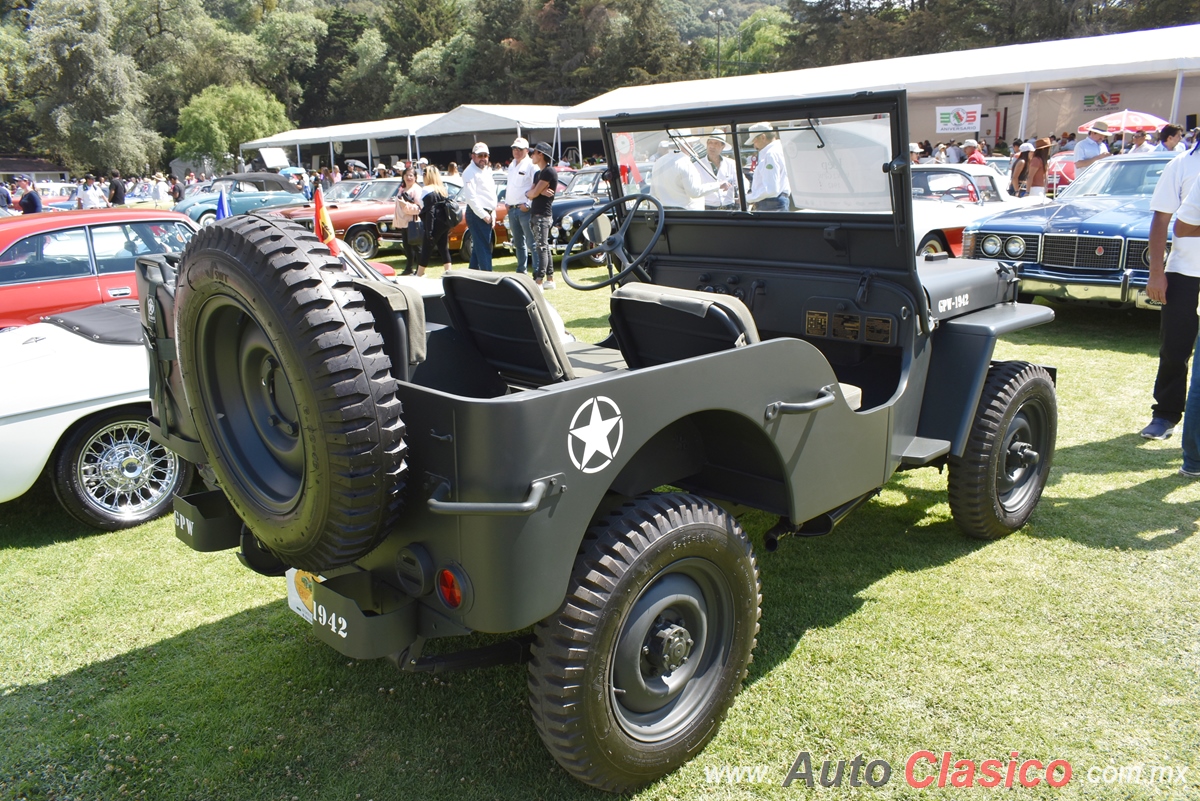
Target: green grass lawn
[(132, 666)]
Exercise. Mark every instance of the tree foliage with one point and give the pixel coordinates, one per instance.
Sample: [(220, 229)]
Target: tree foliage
[(90, 102), (103, 83), (220, 118)]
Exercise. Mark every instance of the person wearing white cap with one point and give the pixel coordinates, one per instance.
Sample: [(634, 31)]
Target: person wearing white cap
[(678, 183), (721, 168), (914, 153), (971, 148), (770, 189), (479, 193), (520, 181), (1019, 173)]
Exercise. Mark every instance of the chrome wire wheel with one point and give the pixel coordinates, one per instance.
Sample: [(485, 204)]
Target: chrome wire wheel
[(123, 473)]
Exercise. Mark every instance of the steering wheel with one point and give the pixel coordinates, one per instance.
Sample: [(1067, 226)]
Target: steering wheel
[(614, 244)]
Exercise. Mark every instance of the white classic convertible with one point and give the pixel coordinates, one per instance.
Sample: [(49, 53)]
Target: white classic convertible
[(74, 404)]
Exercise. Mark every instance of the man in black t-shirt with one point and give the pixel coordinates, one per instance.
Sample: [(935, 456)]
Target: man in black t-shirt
[(31, 201), (176, 189), (116, 190), (541, 196)]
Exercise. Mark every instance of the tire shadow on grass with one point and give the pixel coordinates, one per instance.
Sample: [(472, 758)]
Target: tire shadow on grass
[(253, 706)]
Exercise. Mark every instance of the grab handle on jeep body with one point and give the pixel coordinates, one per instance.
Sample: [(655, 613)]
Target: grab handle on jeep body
[(825, 397), (538, 490)]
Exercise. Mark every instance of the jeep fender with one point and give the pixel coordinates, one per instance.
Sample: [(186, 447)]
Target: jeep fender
[(962, 354)]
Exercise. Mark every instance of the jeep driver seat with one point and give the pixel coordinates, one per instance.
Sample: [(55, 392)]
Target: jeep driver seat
[(505, 317), (661, 324)]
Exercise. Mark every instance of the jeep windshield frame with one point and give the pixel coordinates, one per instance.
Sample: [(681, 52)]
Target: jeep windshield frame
[(847, 201)]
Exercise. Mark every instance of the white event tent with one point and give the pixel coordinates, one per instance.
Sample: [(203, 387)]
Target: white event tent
[(1145, 70), (406, 127)]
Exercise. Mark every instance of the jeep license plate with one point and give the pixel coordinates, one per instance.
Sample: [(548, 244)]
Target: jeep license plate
[(300, 593)]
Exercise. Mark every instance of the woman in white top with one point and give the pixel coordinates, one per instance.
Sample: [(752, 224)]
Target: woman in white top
[(408, 209)]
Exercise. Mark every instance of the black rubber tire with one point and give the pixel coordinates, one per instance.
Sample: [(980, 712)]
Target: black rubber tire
[(206, 219), (932, 243), (292, 394), (109, 474), (365, 242), (464, 250), (994, 487), (654, 556)]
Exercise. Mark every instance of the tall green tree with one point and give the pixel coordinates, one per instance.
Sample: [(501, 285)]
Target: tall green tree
[(90, 106), (288, 42), (349, 72), (219, 119)]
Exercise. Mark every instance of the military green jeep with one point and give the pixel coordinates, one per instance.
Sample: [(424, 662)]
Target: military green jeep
[(433, 464)]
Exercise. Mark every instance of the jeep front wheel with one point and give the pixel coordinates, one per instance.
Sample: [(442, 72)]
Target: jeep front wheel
[(997, 482), (641, 663), (291, 391)]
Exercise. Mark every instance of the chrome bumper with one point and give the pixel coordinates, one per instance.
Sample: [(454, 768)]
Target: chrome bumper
[(1127, 288)]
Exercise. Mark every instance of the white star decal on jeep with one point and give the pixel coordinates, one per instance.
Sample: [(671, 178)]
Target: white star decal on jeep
[(599, 435)]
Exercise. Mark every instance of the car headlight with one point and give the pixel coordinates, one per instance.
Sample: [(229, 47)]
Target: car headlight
[(554, 231), (991, 245), (383, 227), (567, 223), (1014, 247)]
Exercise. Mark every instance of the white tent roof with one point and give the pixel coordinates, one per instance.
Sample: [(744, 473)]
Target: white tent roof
[(350, 132), (486, 119), (1145, 54)]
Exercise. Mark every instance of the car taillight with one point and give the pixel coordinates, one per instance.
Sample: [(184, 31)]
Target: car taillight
[(449, 588)]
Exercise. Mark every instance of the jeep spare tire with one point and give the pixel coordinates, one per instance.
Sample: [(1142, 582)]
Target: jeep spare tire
[(292, 393)]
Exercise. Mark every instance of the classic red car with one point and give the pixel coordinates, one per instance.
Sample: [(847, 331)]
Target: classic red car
[(53, 263), (354, 220)]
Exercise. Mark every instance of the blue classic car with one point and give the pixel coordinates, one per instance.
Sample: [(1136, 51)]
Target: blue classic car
[(247, 191), (1090, 245)]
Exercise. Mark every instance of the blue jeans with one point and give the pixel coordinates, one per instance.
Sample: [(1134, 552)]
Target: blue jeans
[(779, 203), (521, 228), (1191, 423), (481, 242)]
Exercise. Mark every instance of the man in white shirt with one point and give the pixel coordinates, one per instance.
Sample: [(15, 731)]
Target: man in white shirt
[(89, 195), (722, 169), (1185, 258), (770, 189), (1170, 138), (1175, 284), (520, 181), (1140, 145), (1092, 147), (479, 193), (678, 182)]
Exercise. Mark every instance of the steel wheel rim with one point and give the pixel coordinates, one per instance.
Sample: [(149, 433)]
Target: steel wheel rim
[(1022, 452), (362, 243), (251, 405), (651, 703), (123, 472)]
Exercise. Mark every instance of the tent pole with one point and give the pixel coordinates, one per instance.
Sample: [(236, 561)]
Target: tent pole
[(297, 155), (370, 161), (1176, 97), (331, 154), (579, 142), (1024, 114), (408, 139)]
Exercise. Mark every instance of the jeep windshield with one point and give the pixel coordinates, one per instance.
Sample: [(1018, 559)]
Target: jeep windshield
[(777, 164)]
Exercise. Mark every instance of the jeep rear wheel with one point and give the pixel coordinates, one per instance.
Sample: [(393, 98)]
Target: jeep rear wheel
[(640, 665), (290, 389), (997, 482)]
